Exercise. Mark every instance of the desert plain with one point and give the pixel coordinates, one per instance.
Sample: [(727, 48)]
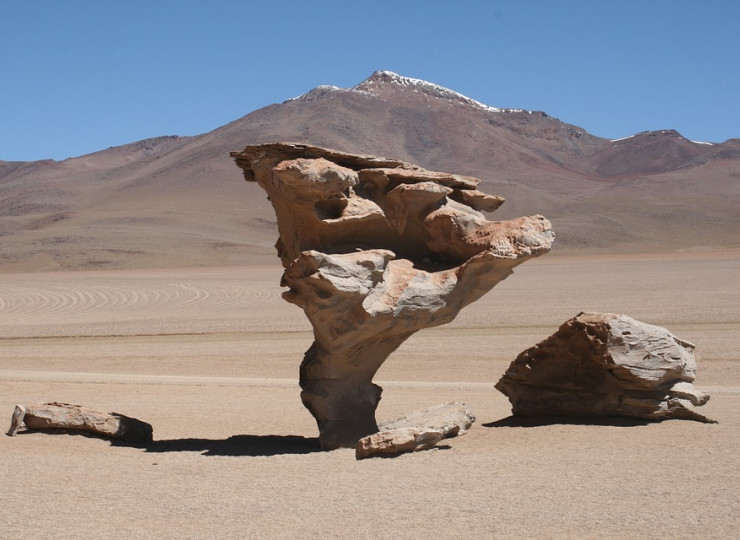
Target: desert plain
[(210, 356)]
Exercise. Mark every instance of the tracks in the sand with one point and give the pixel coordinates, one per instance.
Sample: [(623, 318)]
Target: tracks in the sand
[(31, 300), (62, 299)]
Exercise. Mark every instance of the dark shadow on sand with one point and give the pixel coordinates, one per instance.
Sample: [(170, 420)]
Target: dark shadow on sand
[(528, 422), (236, 445)]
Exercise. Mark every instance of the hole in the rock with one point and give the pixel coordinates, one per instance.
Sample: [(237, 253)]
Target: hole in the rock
[(434, 264), (330, 208), (365, 190)]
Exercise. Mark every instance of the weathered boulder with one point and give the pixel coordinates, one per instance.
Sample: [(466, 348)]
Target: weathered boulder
[(397, 441), (76, 417), (450, 419), (375, 249), (604, 364), (417, 430)]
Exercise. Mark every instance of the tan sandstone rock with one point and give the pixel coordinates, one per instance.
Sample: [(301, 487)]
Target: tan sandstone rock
[(76, 417), (397, 441), (375, 249), (417, 430), (450, 419), (604, 364)]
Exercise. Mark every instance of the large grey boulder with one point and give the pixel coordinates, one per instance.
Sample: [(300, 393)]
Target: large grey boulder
[(604, 364)]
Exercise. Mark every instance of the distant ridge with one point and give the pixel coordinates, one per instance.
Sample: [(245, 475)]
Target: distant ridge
[(180, 201)]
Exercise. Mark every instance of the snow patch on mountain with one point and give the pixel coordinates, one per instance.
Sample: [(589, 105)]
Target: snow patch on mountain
[(316, 93), (664, 132), (379, 78), (623, 138)]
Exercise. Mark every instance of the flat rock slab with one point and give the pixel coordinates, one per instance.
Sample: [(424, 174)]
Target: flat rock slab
[(417, 430), (604, 364), (451, 419), (397, 441), (76, 417)]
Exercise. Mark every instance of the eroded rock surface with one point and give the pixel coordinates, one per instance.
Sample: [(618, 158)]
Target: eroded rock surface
[(450, 419), (604, 364), (417, 430), (397, 441), (55, 415), (375, 249)]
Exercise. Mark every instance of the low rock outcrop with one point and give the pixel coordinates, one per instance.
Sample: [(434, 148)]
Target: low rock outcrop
[(603, 364), (375, 249)]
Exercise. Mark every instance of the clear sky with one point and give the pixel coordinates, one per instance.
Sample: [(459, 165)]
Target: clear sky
[(77, 76)]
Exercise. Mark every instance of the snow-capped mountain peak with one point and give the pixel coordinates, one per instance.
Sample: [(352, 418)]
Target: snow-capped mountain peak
[(379, 79)]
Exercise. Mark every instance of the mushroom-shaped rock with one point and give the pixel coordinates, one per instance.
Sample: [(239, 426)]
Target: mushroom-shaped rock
[(375, 249), (604, 364)]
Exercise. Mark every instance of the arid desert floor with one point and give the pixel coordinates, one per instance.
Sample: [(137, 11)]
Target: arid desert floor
[(210, 358)]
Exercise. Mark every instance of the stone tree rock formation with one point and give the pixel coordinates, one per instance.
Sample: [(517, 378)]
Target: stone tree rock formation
[(603, 364), (375, 249)]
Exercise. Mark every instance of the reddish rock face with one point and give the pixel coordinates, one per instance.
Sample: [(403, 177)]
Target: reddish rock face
[(375, 249)]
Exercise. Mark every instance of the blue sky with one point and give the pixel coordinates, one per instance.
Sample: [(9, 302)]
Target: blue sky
[(79, 76)]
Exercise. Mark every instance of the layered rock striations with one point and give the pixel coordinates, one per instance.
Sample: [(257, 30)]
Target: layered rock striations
[(604, 364), (375, 249)]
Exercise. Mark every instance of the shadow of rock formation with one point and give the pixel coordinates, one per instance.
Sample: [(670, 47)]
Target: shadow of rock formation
[(236, 445), (539, 421)]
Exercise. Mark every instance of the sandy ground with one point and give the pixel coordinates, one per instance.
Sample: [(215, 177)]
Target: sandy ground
[(210, 358)]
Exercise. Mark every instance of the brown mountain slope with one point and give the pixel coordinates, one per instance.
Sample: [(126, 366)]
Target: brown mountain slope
[(180, 201)]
